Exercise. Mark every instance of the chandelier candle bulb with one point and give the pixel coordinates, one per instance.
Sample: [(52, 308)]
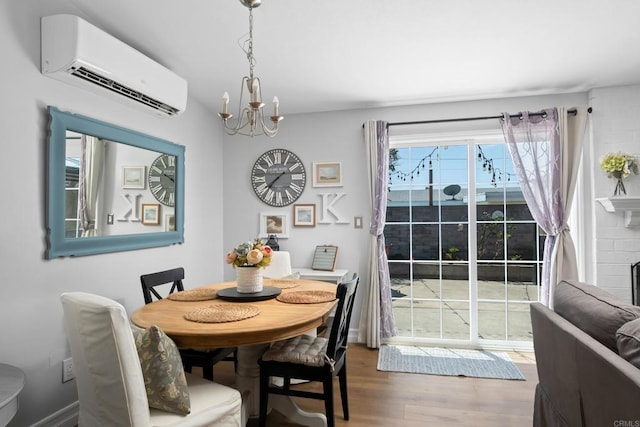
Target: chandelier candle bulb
[(225, 102), (255, 88), (276, 103)]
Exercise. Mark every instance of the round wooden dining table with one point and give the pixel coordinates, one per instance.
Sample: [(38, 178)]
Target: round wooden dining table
[(275, 321)]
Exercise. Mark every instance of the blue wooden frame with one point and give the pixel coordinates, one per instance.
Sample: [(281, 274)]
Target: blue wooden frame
[(58, 244)]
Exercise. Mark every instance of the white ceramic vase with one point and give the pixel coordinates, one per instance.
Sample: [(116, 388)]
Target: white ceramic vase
[(249, 279)]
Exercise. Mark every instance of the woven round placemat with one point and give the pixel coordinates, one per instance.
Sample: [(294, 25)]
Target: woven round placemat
[(306, 297), (283, 283), (193, 295), (221, 313)]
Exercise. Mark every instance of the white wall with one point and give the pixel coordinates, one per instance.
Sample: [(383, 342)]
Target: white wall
[(33, 336), (615, 127)]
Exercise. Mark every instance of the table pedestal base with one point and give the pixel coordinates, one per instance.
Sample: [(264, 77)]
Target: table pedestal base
[(248, 383), (287, 407)]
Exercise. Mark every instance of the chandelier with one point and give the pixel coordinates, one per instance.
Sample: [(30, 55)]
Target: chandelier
[(250, 120)]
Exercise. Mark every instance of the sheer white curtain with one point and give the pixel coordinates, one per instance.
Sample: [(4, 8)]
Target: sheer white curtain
[(546, 152), (91, 167), (376, 320)]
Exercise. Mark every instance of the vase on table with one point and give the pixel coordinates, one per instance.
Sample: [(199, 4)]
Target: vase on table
[(248, 279)]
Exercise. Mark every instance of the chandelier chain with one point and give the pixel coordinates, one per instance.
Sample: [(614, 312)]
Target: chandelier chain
[(250, 57)]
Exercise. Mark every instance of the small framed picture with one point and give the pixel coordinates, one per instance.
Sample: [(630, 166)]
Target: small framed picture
[(169, 222), (133, 177), (151, 213), (304, 215), (327, 174), (274, 224)]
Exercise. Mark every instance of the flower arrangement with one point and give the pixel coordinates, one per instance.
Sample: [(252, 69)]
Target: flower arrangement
[(619, 166), (253, 253)]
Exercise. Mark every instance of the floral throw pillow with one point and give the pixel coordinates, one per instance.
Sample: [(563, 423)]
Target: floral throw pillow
[(162, 371)]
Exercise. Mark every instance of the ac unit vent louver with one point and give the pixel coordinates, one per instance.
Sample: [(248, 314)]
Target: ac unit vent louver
[(109, 84)]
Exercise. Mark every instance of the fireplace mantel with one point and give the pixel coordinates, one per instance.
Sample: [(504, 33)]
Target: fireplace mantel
[(629, 205)]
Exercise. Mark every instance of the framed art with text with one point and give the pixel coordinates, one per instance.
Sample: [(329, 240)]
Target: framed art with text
[(324, 258)]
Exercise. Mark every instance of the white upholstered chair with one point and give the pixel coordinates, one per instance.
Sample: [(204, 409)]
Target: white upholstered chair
[(280, 265), (111, 388)]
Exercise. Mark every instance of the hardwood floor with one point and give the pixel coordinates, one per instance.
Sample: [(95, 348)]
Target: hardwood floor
[(411, 400)]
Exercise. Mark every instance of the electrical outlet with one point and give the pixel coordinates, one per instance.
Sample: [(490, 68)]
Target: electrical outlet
[(67, 370)]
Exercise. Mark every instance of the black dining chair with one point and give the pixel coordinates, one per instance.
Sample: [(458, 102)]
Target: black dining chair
[(204, 358), (312, 359)]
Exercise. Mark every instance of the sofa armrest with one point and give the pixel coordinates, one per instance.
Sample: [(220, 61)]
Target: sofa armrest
[(554, 343), (609, 386)]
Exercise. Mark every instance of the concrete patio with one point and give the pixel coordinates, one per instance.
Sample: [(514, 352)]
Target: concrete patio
[(448, 299)]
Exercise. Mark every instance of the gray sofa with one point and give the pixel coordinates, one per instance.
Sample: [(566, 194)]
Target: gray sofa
[(588, 358)]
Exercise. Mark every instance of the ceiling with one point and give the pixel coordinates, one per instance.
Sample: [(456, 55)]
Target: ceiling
[(326, 55)]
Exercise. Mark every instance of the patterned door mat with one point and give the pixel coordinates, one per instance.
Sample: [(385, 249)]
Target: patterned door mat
[(446, 361)]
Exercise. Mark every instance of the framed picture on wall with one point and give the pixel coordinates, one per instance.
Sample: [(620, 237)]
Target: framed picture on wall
[(169, 222), (324, 258), (151, 213), (274, 224), (133, 177), (327, 174), (304, 215)]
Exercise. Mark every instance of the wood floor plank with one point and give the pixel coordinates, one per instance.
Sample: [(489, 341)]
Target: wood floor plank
[(393, 399)]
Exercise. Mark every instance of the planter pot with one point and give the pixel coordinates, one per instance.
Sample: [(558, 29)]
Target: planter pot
[(248, 279)]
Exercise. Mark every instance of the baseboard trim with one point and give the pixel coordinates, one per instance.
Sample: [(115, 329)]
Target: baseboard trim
[(353, 335), (65, 417)]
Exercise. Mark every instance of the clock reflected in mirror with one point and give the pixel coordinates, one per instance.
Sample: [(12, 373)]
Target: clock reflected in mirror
[(162, 179), (278, 177)]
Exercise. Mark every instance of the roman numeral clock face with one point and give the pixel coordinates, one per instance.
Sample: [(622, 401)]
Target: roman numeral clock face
[(162, 179), (278, 177)]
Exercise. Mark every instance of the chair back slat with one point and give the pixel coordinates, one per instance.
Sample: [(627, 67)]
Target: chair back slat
[(150, 281), (339, 335)]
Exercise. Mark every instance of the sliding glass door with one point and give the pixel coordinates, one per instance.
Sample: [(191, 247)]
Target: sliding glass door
[(464, 253)]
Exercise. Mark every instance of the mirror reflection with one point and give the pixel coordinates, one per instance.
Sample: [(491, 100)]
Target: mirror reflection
[(115, 189)]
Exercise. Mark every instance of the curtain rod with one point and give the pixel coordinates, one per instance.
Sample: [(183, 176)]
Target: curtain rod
[(468, 119)]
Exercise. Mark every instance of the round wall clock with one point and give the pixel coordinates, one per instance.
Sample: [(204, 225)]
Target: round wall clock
[(278, 177), (162, 179)]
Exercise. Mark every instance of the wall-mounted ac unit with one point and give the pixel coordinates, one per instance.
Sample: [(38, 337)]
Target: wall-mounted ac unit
[(81, 54)]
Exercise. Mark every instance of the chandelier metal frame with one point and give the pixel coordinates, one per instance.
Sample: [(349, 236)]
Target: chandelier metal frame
[(250, 120)]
